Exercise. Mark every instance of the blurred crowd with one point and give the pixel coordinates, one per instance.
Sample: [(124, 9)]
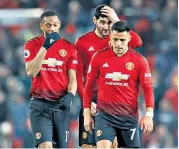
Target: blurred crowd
[(155, 21)]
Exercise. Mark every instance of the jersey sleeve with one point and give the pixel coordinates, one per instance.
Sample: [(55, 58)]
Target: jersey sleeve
[(135, 41), (29, 53), (80, 68), (92, 76), (146, 81), (72, 62)]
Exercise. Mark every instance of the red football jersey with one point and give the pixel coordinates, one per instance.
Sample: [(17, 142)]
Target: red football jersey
[(118, 82), (90, 43), (52, 80)]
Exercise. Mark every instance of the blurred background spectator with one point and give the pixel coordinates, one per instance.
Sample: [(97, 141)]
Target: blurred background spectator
[(155, 21)]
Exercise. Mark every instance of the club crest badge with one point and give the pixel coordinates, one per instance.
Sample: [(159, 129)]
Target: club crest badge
[(98, 133), (85, 135), (130, 65), (63, 52), (38, 135)]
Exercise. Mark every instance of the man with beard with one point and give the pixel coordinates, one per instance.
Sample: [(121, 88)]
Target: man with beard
[(87, 45)]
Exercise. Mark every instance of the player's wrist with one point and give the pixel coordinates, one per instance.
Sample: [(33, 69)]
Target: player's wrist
[(115, 19), (45, 47), (50, 39), (149, 114), (46, 44), (87, 111)]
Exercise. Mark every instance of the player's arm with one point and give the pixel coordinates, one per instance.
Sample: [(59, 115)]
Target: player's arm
[(146, 84), (80, 75), (72, 67), (135, 41), (72, 85), (33, 66), (80, 69), (93, 72)]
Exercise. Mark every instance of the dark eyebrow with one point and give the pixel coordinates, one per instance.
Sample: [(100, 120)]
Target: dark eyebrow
[(119, 38), (115, 38), (102, 21), (50, 23), (109, 22)]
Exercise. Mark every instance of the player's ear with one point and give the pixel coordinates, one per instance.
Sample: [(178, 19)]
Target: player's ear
[(41, 26), (94, 20), (60, 23), (109, 42), (129, 36)]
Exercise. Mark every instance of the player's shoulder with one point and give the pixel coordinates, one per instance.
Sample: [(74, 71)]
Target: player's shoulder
[(103, 52), (34, 40), (84, 36), (137, 55), (67, 43)]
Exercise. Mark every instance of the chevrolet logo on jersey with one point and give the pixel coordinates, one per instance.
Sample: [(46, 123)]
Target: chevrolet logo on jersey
[(52, 62), (117, 76)]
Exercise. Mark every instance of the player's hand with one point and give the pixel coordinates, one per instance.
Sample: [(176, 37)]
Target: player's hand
[(88, 120), (110, 13), (93, 109), (50, 39), (72, 92), (147, 125)]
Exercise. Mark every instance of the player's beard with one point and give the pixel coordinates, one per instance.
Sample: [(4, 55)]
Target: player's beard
[(103, 32)]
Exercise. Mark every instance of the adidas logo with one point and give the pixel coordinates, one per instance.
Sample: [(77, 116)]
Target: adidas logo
[(51, 41), (105, 65), (91, 49)]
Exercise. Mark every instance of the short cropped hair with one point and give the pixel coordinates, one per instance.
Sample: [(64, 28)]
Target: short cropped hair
[(48, 13), (120, 26), (97, 12)]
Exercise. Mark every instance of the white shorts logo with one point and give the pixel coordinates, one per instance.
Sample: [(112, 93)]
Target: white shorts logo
[(26, 53), (38, 135)]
